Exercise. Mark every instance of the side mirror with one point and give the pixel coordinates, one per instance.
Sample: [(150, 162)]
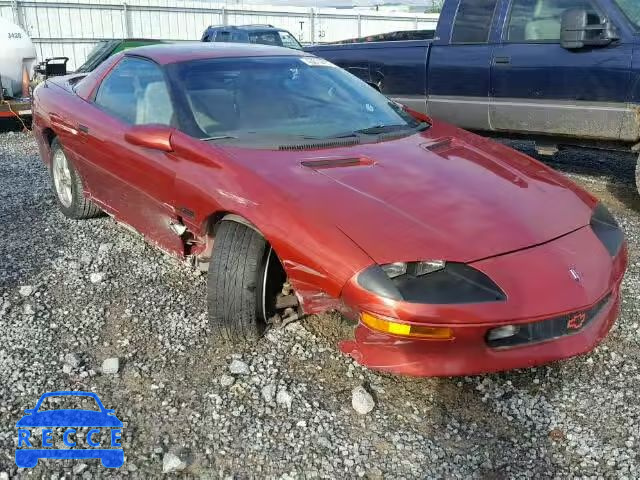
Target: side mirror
[(579, 29), (155, 137)]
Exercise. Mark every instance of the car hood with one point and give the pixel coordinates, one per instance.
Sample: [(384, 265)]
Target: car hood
[(449, 197), (69, 418)]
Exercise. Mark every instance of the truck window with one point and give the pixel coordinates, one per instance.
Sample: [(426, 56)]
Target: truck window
[(222, 36), (539, 20), (631, 9), (473, 21), (265, 38)]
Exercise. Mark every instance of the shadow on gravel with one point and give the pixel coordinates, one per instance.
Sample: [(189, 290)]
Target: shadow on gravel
[(10, 125), (480, 414), (487, 424), (616, 169)]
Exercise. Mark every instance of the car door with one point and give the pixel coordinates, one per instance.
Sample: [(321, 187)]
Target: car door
[(539, 86), (458, 68), (133, 183)]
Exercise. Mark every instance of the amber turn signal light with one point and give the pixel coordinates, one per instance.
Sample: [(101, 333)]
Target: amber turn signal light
[(404, 329)]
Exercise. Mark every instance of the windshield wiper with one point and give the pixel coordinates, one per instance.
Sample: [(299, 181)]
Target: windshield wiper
[(378, 129), (220, 137), (339, 135)]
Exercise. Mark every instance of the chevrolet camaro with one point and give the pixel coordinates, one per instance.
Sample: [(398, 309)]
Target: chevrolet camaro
[(300, 189)]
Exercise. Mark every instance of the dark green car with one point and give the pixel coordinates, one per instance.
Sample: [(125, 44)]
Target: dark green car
[(56, 66), (106, 48)]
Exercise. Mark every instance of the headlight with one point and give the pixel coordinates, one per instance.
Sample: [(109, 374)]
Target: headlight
[(417, 269), (394, 270), (607, 230), (430, 282)]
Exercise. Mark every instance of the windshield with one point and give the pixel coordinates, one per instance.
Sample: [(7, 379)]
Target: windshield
[(268, 100), (289, 40), (631, 9), (279, 38)]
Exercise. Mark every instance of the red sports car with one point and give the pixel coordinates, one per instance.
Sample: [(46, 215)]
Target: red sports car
[(301, 189)]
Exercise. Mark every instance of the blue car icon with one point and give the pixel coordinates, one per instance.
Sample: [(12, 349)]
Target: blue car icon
[(27, 457)]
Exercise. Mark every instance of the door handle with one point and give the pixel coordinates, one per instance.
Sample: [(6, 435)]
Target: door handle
[(83, 128), (501, 60), (62, 124)]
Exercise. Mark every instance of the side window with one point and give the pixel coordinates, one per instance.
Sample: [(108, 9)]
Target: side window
[(473, 21), (239, 37), (222, 36), (539, 20), (265, 38), (135, 92)]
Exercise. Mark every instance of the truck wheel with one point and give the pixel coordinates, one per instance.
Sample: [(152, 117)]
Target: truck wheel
[(67, 186), (244, 278)]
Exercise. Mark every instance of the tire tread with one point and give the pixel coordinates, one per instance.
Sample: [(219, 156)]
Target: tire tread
[(232, 282)]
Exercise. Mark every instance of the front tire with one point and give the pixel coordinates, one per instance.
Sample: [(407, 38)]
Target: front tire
[(67, 186), (244, 278)]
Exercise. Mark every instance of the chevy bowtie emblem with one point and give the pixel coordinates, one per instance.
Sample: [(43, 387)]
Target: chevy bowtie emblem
[(574, 274), (577, 321)]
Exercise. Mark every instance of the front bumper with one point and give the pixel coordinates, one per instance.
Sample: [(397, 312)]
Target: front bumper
[(538, 288)]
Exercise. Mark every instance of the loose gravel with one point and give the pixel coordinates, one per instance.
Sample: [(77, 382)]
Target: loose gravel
[(76, 296)]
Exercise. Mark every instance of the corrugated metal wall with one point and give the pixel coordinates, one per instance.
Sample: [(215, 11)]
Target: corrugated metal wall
[(71, 28)]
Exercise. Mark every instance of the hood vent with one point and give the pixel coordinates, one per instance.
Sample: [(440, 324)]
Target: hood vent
[(439, 144), (323, 163), (313, 144)]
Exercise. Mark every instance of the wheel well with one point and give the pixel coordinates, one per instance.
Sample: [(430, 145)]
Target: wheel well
[(49, 135), (213, 222), (276, 270), (210, 227), (371, 84)]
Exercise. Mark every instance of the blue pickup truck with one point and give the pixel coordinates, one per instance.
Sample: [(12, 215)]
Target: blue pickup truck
[(560, 72)]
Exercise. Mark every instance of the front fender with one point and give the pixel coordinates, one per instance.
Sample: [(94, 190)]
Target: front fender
[(318, 257)]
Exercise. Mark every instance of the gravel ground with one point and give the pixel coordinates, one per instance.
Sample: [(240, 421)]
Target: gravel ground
[(73, 294)]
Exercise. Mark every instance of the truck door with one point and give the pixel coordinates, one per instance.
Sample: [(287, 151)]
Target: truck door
[(459, 64), (538, 86)]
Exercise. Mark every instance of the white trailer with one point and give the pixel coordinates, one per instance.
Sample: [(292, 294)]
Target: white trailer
[(17, 58)]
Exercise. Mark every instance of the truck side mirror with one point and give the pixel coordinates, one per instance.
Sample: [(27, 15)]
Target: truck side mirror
[(580, 28)]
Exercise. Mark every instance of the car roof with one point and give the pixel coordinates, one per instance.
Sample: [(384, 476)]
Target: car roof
[(184, 52), (257, 27)]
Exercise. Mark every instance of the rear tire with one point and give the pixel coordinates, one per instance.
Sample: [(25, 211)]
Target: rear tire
[(243, 281), (67, 186)]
